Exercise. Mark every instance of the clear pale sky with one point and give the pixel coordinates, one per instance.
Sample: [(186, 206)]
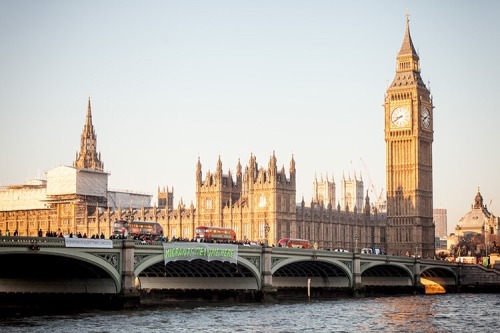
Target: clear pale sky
[(171, 81)]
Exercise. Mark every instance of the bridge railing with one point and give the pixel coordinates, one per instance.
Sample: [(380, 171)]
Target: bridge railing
[(26, 241)]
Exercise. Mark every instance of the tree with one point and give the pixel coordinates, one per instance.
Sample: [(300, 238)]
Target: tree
[(471, 244)]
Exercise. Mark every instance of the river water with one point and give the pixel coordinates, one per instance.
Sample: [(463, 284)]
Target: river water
[(420, 313)]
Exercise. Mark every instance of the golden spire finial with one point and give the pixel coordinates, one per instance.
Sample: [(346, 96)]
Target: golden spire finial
[(407, 20)]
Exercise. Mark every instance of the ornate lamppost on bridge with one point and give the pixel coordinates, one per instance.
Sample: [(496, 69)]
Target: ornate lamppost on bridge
[(266, 233), (356, 238), (130, 219), (486, 237)]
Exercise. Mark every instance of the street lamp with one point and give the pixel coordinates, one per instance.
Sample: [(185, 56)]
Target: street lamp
[(130, 219), (356, 242), (486, 237), (266, 232)]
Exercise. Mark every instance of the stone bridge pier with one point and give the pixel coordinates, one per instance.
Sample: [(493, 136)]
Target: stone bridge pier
[(129, 294), (268, 292)]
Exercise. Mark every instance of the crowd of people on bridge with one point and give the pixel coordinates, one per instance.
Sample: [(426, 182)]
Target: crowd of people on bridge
[(144, 239), (7, 233), (203, 240), (56, 234)]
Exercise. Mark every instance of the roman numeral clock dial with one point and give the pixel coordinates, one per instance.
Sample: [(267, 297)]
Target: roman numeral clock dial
[(400, 116), (426, 118)]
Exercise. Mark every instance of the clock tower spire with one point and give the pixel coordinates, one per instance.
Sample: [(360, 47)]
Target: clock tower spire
[(409, 135)]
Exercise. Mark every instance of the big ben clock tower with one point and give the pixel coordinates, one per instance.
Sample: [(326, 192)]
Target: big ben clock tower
[(408, 135)]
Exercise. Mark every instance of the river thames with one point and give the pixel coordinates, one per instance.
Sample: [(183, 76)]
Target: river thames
[(420, 313)]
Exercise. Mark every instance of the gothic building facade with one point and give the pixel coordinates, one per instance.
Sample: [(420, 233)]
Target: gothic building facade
[(259, 204)]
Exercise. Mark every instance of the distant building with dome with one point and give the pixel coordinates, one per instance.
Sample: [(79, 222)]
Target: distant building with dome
[(479, 220)]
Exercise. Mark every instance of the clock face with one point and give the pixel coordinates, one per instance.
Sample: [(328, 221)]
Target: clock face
[(400, 116), (426, 118)]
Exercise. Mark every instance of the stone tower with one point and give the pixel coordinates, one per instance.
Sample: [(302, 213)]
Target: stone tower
[(213, 194), (408, 136), (351, 193), (259, 204), (166, 198), (88, 158), (324, 191)]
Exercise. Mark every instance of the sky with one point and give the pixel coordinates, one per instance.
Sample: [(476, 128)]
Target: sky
[(174, 81)]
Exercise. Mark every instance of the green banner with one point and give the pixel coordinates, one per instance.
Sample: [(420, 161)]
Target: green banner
[(206, 251)]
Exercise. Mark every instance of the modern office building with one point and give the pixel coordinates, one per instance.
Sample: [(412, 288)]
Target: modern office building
[(440, 221)]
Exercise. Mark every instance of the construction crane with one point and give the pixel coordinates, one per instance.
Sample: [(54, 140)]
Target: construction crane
[(378, 197)]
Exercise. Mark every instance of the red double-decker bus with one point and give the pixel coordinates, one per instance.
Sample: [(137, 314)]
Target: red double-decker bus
[(152, 230), (203, 233), (294, 243)]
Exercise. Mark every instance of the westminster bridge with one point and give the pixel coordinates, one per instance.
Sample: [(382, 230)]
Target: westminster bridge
[(131, 269)]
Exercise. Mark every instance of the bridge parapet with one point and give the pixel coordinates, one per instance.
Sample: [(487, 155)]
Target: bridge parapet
[(476, 275), (16, 241)]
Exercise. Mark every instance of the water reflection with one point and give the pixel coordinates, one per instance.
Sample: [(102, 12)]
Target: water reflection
[(403, 314), (422, 313)]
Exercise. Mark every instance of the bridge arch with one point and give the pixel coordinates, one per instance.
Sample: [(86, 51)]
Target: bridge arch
[(386, 274), (322, 271), (152, 273), (438, 275), (58, 270), (148, 262), (252, 268), (99, 261)]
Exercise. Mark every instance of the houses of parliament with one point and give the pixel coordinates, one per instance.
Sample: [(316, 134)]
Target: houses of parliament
[(258, 203)]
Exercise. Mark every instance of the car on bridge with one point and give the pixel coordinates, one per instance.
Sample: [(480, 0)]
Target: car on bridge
[(370, 250)]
